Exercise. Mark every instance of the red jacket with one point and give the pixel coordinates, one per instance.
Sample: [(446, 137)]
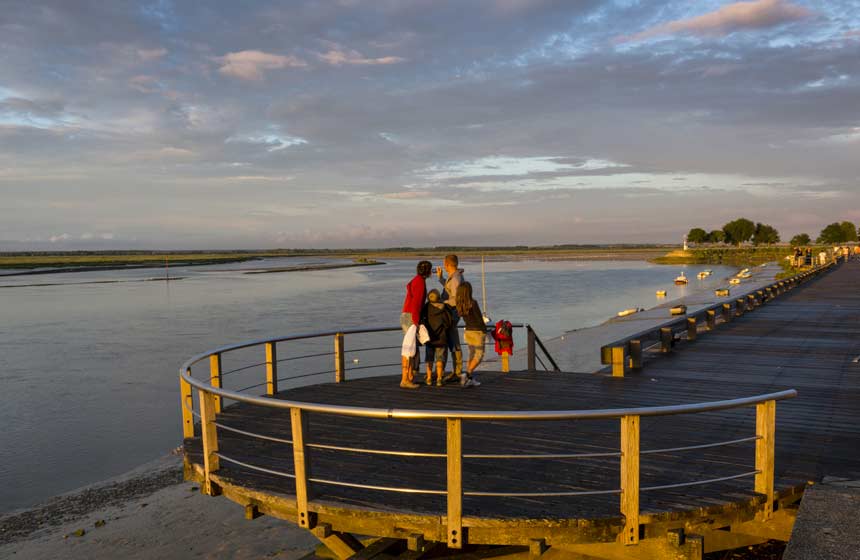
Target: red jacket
[(416, 292)]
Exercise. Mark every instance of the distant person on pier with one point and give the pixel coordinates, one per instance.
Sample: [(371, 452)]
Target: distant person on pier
[(476, 332), (438, 321), (410, 319), (449, 296)]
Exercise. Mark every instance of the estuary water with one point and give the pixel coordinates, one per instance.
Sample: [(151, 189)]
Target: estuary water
[(89, 361)]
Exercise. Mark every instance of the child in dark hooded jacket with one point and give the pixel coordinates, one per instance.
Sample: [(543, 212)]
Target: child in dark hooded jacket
[(438, 321)]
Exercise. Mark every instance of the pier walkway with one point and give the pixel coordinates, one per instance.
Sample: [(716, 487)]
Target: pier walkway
[(558, 481)]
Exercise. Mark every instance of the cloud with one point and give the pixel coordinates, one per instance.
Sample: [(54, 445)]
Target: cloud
[(144, 84), (148, 55), (249, 65), (758, 14), (337, 56), (272, 141), (406, 195)]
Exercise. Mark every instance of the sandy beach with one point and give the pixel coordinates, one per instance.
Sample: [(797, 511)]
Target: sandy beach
[(146, 513)]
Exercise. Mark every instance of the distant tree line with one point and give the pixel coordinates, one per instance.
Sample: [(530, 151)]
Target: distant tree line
[(736, 232), (743, 230)]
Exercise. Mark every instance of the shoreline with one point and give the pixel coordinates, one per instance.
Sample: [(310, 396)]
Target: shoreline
[(148, 512)]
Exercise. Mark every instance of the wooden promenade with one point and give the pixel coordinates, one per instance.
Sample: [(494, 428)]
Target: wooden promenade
[(808, 339)]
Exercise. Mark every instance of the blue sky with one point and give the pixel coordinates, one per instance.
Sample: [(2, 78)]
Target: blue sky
[(385, 123)]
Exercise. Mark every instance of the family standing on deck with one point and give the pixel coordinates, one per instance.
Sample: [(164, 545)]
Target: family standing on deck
[(433, 323)]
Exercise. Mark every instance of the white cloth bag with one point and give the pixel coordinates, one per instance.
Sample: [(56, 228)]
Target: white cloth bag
[(409, 345), (423, 335)]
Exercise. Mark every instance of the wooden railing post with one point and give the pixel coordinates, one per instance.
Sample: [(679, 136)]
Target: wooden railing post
[(666, 338), (711, 319), (339, 369), (751, 302), (456, 539), (187, 406), (692, 328), (619, 360), (209, 435), (301, 461), (727, 312), (630, 478), (636, 354), (530, 348), (740, 304), (271, 369), (765, 421), (215, 377)]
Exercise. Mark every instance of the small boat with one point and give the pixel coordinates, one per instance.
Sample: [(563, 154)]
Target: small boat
[(702, 275), (630, 311), (661, 293), (742, 272), (681, 279), (722, 292), (735, 281), (709, 271)]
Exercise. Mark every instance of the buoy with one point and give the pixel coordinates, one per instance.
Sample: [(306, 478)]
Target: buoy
[(678, 310), (627, 312), (722, 292), (661, 293)]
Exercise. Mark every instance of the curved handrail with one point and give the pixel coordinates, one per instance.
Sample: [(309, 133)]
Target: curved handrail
[(416, 414)]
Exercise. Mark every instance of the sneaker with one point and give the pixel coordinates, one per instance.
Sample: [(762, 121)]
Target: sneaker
[(428, 381), (465, 381), (408, 385), (450, 376), (439, 382), (475, 382)]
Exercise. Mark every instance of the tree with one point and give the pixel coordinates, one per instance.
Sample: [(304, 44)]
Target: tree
[(717, 236), (739, 231), (697, 235), (832, 233), (849, 232), (765, 233), (800, 240)]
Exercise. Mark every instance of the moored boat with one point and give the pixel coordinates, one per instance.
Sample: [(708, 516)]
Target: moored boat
[(681, 279)]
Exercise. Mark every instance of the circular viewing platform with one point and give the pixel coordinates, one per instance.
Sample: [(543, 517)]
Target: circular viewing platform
[(528, 457)]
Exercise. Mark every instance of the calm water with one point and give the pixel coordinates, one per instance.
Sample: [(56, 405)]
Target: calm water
[(89, 371)]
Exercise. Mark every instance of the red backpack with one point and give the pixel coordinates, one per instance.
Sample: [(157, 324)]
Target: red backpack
[(504, 336)]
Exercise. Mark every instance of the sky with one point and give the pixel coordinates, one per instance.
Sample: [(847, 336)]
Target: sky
[(380, 123)]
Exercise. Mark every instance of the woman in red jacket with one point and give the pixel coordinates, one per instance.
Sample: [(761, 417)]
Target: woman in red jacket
[(416, 293)]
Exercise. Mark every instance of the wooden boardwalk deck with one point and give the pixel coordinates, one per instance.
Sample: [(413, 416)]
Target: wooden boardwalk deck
[(806, 339)]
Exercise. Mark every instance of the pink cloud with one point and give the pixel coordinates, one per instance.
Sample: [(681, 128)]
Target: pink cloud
[(336, 56), (250, 65), (758, 14), (151, 54)]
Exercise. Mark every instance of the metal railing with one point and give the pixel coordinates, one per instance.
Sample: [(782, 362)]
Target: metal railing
[(211, 394), (626, 353)]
